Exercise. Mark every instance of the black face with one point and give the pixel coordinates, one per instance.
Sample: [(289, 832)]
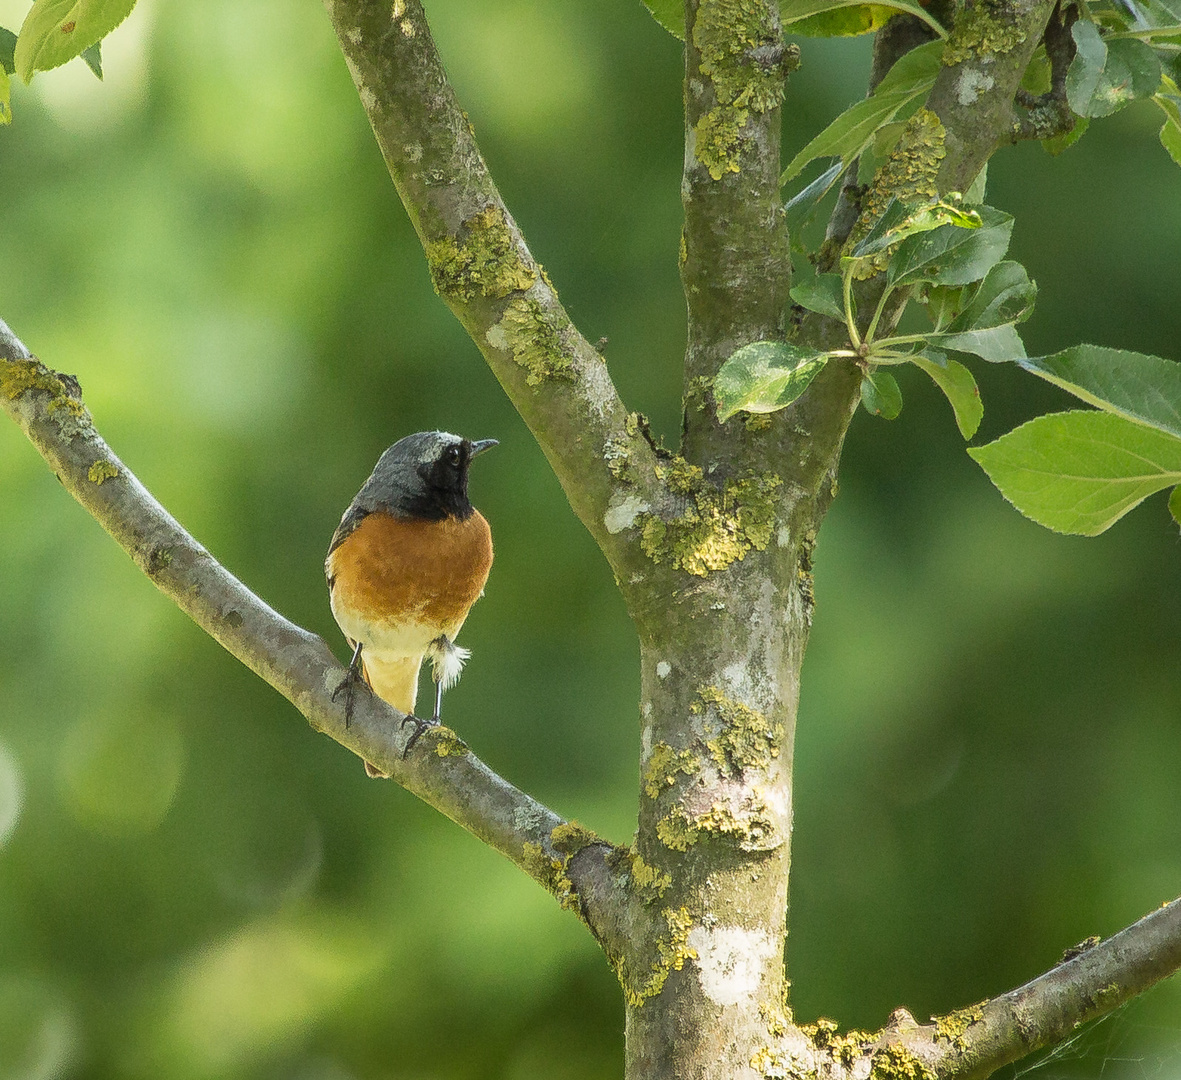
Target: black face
[(445, 483)]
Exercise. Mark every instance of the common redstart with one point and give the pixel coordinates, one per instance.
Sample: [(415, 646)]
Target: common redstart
[(405, 565)]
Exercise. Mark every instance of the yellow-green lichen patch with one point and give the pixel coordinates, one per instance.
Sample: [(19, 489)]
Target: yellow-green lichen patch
[(718, 526), (747, 740), (102, 470), (672, 952), (551, 873), (485, 262), (531, 335), (447, 743), (649, 882), (698, 392), (985, 29), (617, 455), (664, 763), (19, 376), (952, 1027), (777, 1016), (571, 837), (727, 33), (751, 827), (909, 174), (895, 1062)]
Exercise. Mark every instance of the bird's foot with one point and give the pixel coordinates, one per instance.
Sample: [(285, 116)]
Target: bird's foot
[(348, 685), (419, 727)]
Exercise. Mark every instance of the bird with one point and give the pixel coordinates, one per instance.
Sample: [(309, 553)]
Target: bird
[(407, 562)]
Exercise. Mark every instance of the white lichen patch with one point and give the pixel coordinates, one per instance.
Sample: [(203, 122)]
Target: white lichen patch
[(597, 385), (972, 84), (529, 819), (731, 961), (663, 669), (413, 152), (783, 536), (623, 510)]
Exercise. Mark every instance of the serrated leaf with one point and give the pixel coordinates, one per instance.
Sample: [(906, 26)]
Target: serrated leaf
[(959, 386), (1057, 143), (986, 323), (1080, 472), (1105, 75), (1175, 504), (670, 14), (5, 107), (793, 11), (7, 47), (94, 59), (55, 31), (822, 294), (880, 395), (765, 376), (1170, 132), (1136, 386), (799, 209), (951, 255)]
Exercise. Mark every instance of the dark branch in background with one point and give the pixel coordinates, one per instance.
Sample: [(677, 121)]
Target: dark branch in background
[(566, 859), (1049, 114), (482, 268)]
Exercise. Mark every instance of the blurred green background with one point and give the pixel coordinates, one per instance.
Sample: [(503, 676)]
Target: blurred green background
[(194, 885)]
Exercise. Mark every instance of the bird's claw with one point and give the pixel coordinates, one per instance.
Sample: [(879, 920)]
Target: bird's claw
[(419, 727), (348, 687)]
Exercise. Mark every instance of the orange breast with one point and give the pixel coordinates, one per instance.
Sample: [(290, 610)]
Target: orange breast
[(431, 571)]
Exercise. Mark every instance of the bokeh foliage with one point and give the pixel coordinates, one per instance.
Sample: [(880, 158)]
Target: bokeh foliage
[(192, 884)]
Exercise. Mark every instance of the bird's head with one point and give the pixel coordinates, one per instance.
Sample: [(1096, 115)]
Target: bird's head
[(425, 475)]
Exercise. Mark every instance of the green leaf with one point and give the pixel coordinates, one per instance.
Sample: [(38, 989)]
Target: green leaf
[(1170, 133), (1105, 75), (94, 59), (55, 31), (1142, 388), (5, 107), (1175, 505), (986, 324), (900, 220), (853, 131), (944, 302), (974, 196), (850, 133), (822, 294), (958, 385), (1080, 472), (799, 209), (951, 255), (880, 395), (670, 14), (765, 376), (7, 46), (1057, 143), (793, 11), (844, 22)]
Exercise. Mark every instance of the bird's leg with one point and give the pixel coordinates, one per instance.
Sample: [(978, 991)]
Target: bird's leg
[(349, 682), (419, 727), (438, 700)]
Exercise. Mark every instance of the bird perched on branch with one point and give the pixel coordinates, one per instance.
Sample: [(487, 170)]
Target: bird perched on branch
[(405, 565)]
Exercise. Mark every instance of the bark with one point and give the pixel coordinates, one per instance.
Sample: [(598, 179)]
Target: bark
[(711, 546)]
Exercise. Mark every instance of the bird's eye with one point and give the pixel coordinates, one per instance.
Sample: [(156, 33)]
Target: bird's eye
[(453, 456)]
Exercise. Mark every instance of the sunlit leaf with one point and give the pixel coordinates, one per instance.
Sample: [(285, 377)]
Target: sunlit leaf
[(799, 209), (5, 107), (670, 14), (951, 255), (1080, 472), (1105, 75), (900, 221), (959, 386), (765, 376), (1139, 387), (880, 395), (844, 21), (793, 11), (821, 293), (55, 31)]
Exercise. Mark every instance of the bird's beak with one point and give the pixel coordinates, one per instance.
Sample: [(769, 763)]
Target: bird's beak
[(482, 445)]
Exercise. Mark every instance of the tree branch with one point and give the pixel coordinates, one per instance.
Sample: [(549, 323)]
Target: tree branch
[(570, 861), (482, 268)]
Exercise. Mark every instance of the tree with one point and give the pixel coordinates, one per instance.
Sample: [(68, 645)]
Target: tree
[(712, 544)]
